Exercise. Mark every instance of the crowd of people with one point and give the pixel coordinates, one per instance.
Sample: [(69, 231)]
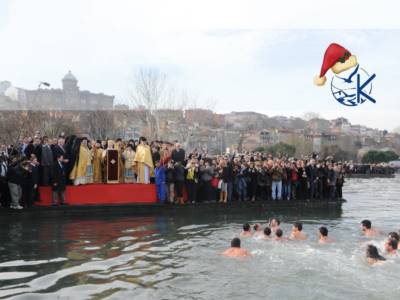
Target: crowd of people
[(373, 256), (62, 161), (383, 169)]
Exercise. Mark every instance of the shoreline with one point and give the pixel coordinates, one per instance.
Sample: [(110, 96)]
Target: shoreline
[(144, 208)]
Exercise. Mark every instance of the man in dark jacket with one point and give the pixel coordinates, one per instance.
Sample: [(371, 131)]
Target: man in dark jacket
[(34, 148), (59, 172), (313, 179), (47, 161), (17, 172), (178, 154), (230, 176), (276, 174), (321, 179), (33, 182), (206, 173)]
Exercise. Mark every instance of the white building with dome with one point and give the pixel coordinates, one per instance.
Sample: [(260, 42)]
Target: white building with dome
[(70, 97)]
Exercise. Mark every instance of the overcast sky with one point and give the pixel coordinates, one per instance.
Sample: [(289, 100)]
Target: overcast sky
[(247, 55)]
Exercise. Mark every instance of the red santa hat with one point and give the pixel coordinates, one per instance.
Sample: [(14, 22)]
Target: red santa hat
[(336, 58)]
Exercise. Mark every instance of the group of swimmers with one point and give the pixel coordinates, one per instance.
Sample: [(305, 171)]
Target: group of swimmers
[(373, 256)]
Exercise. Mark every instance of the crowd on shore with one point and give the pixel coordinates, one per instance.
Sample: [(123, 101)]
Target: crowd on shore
[(45, 161), (373, 256)]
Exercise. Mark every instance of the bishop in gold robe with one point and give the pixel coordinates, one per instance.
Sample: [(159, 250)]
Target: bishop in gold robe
[(82, 172), (97, 153), (143, 162)]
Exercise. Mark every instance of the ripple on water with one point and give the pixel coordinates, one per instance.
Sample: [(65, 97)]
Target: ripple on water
[(179, 256)]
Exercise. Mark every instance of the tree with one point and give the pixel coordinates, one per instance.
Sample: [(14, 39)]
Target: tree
[(259, 149), (376, 157), (311, 115), (396, 130), (336, 152), (156, 100), (284, 149)]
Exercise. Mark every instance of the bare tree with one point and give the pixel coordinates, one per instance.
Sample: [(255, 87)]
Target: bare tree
[(100, 124), (198, 114), (396, 130), (156, 100), (311, 115)]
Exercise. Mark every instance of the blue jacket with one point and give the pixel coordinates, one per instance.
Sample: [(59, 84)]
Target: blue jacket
[(160, 175)]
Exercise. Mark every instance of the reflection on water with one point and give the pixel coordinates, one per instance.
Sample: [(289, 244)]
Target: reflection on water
[(178, 256)]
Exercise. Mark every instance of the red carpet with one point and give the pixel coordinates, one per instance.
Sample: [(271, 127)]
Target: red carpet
[(104, 193)]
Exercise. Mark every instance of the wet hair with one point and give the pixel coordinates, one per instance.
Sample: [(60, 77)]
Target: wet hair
[(246, 226), (323, 231), (373, 253), (298, 225), (394, 235), (277, 221), (255, 226), (267, 231), (279, 232), (235, 243), (393, 243), (366, 223)]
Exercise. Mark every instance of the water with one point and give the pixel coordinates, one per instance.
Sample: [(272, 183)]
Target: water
[(178, 256)]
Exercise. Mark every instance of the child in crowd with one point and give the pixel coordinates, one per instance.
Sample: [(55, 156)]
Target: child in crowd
[(160, 181), (214, 186)]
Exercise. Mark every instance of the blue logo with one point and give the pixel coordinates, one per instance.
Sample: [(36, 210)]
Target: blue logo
[(352, 87)]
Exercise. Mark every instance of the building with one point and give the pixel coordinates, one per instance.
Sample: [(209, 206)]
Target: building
[(70, 97), (320, 126), (199, 115), (238, 119), (4, 85)]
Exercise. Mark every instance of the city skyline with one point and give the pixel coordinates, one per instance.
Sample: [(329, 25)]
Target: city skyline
[(267, 67)]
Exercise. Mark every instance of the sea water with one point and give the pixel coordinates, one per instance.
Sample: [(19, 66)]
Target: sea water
[(179, 255)]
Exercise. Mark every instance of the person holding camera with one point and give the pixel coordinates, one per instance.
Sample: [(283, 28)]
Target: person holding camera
[(286, 180), (253, 175), (206, 174), (223, 175), (263, 181), (169, 180), (17, 172), (192, 178), (276, 175)]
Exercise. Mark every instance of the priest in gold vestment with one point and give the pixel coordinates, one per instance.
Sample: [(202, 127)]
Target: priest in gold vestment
[(143, 162), (120, 146), (82, 172), (97, 153)]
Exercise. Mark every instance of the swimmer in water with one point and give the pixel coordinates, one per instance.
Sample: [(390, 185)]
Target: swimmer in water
[(258, 229), (373, 255), (236, 250), (275, 224), (279, 237), (297, 234), (366, 226), (267, 234), (323, 235), (246, 230), (391, 246), (394, 235)]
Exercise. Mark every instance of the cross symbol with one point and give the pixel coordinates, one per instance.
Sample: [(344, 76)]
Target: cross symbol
[(113, 161)]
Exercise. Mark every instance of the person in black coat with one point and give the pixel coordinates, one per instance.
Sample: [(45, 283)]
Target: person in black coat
[(313, 171), (59, 180), (33, 182), (178, 154)]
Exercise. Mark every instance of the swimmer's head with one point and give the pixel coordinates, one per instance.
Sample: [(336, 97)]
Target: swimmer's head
[(366, 224), (394, 235), (267, 231), (235, 243), (257, 227), (323, 231), (297, 225), (246, 226), (276, 222), (391, 245), (278, 233)]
